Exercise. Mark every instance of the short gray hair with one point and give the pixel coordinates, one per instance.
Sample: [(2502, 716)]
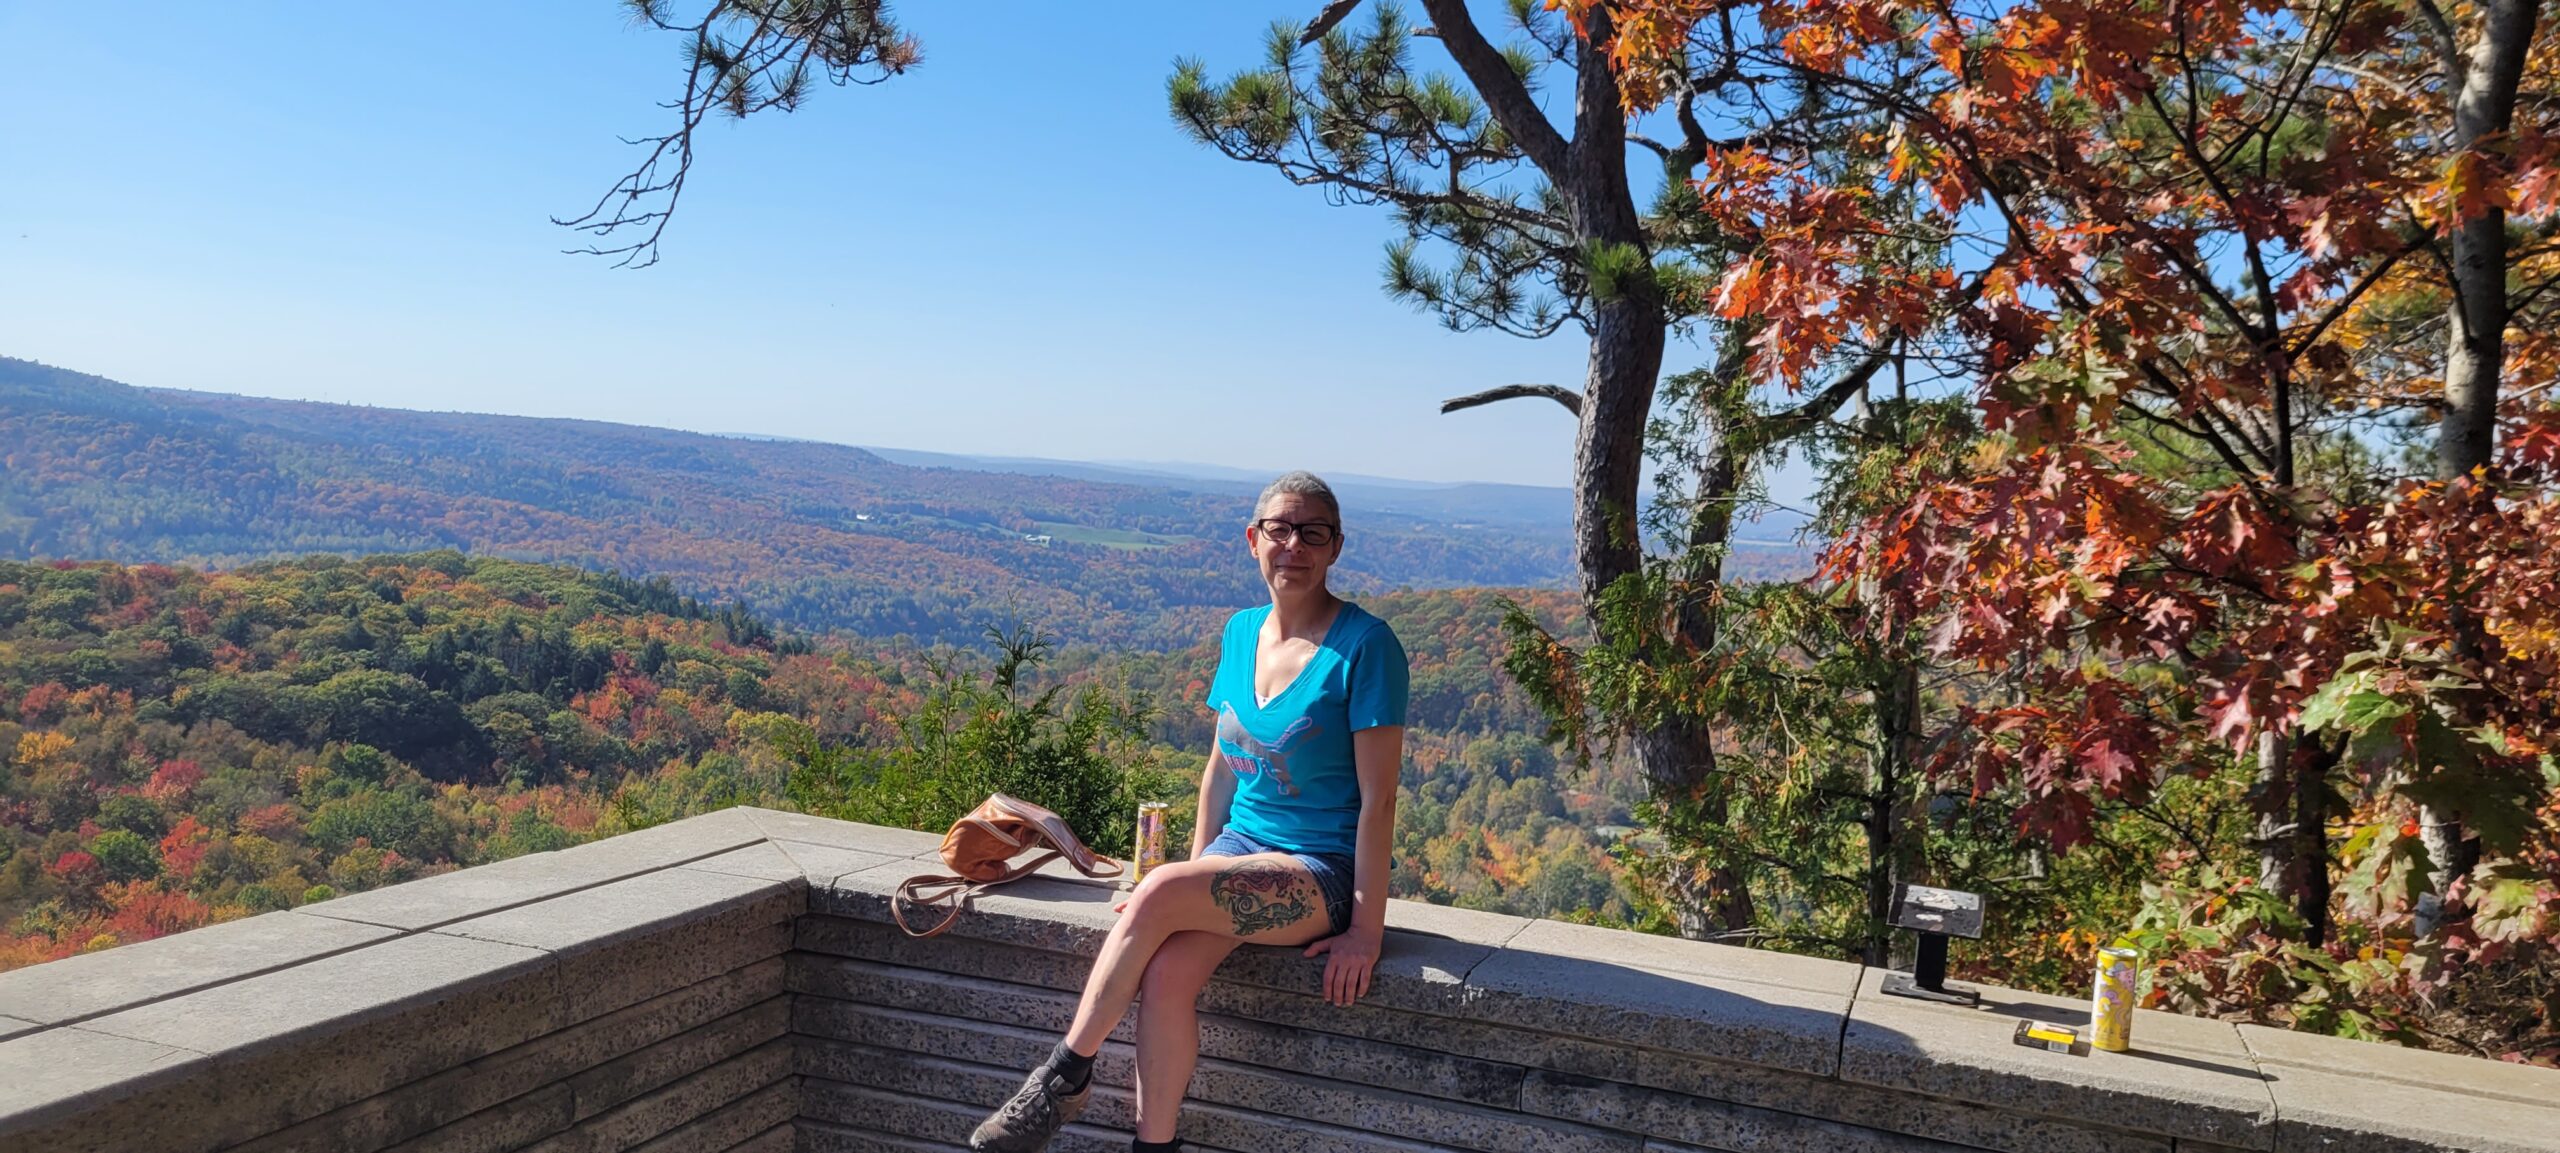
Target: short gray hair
[(1298, 483)]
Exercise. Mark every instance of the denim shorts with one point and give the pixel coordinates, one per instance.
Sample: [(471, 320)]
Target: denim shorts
[(1332, 871)]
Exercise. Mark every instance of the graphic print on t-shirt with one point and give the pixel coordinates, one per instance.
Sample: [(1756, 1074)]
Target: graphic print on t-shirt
[(1247, 757)]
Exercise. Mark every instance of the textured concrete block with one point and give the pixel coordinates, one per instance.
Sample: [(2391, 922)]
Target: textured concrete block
[(822, 864), (782, 1138), (837, 1038), (915, 990), (792, 862), (91, 984), (1955, 1122), (1351, 1105), (623, 1078), (908, 1115), (16, 1026), (1724, 964), (1277, 1098), (2187, 1077), (960, 956), (915, 1074), (1699, 1121), (2334, 1095), (1781, 1026), (1468, 926), (292, 1045), (1456, 1035), (1104, 1127), (424, 1105), (744, 1124), (1355, 1061), (763, 861), (820, 1137), (1415, 971), (510, 1125), (331, 996), (61, 1072), (657, 1113), (880, 839), (473, 892), (642, 907), (1426, 974), (626, 942), (1217, 1126)]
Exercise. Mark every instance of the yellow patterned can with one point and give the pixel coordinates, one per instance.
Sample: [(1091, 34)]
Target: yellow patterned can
[(2111, 1003), (1150, 848)]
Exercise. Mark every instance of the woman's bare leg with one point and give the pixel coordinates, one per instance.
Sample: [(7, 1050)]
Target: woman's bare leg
[(1169, 1025), (1264, 899)]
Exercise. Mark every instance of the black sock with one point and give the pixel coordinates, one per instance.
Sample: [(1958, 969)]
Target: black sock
[(1173, 1146), (1075, 1070)]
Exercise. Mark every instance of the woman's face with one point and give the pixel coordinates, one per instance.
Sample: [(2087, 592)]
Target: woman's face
[(1292, 565)]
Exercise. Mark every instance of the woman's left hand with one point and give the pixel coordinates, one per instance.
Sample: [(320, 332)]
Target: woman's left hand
[(1349, 960)]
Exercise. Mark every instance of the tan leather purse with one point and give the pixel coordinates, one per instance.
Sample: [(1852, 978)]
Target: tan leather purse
[(979, 849)]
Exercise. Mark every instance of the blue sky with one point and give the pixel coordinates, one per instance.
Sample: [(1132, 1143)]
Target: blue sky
[(1011, 250)]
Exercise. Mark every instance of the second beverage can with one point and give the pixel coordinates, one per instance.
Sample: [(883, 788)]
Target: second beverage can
[(2111, 1002), (1150, 848)]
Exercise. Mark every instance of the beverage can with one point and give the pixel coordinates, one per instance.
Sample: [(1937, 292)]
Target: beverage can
[(1150, 848), (2111, 1002)]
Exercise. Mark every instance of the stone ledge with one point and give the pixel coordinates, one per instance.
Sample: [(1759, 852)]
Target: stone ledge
[(2187, 1077), (78, 988), (2332, 1096), (1583, 996), (486, 889), (337, 1009), (330, 1006)]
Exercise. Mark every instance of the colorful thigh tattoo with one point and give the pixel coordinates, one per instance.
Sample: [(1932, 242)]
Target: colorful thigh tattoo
[(1261, 895)]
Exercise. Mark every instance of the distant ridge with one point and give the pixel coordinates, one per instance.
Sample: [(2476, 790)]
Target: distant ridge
[(817, 535), (1472, 502)]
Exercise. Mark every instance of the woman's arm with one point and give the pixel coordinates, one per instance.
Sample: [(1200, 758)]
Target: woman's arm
[(1377, 756), (1217, 791)]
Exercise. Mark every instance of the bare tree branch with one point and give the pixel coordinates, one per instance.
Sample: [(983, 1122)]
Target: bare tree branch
[(1332, 14), (746, 56), (1571, 400)]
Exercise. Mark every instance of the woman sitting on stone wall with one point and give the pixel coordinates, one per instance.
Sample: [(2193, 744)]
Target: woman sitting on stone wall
[(1297, 806)]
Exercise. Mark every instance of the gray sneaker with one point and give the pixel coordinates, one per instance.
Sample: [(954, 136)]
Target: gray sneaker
[(1038, 1110)]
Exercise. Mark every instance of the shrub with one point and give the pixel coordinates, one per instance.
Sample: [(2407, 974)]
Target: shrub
[(124, 855)]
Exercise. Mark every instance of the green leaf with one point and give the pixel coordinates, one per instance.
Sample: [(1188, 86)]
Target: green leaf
[(2495, 797), (2349, 705), (2507, 903)]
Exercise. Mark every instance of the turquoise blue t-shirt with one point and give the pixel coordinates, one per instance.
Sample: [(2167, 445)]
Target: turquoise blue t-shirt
[(1295, 785)]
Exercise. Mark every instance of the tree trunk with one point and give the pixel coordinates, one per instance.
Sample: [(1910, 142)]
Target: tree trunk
[(2272, 793), (2475, 353), (1629, 328), (2311, 839), (1896, 820)]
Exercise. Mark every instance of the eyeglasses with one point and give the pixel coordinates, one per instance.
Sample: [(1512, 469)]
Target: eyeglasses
[(1313, 534)]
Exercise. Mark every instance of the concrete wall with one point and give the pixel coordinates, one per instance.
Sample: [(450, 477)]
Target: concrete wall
[(731, 982), (623, 995)]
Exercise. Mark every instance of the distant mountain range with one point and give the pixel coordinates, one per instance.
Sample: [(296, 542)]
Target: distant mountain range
[(881, 541), (1540, 510)]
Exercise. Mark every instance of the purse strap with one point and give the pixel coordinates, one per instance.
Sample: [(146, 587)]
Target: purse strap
[(953, 892)]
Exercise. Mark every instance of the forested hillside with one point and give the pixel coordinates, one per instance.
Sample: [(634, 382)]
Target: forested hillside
[(183, 747), (816, 535)]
